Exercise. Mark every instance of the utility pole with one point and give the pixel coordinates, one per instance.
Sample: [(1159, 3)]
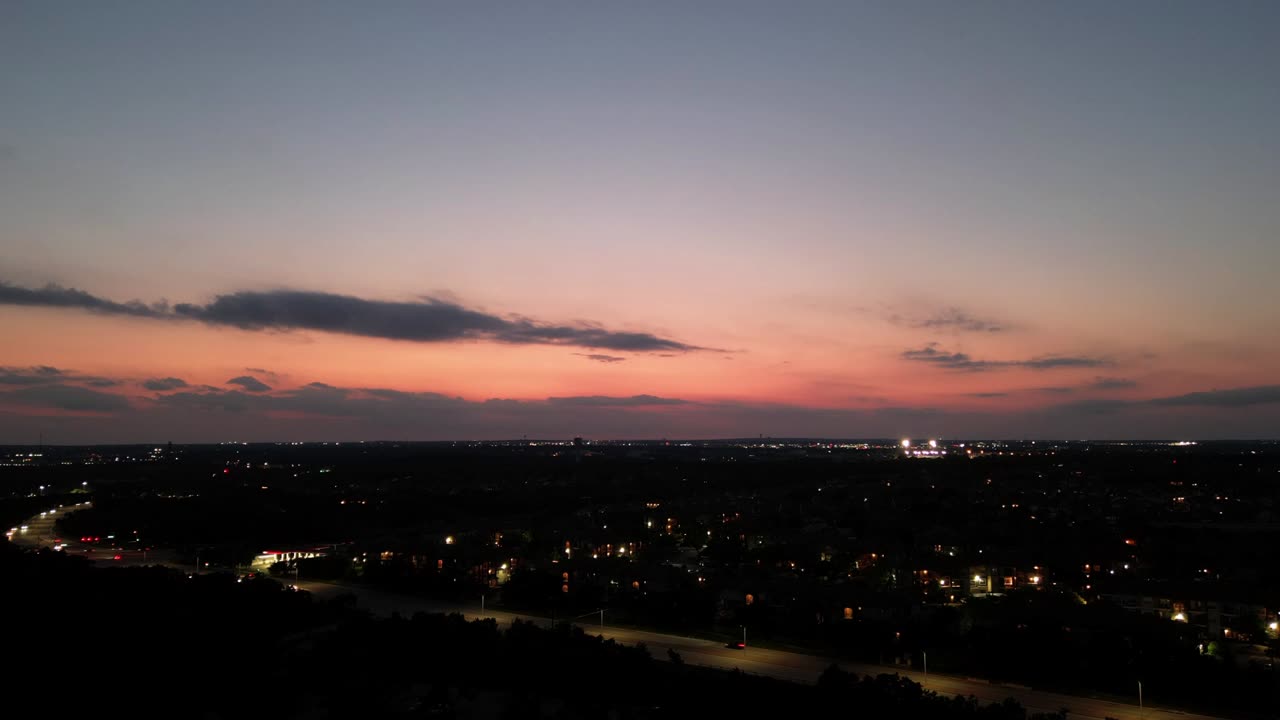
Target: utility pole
[(1141, 712), (744, 637), (601, 619), (925, 655), (481, 604)]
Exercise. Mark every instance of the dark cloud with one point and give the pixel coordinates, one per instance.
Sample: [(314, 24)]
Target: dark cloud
[(37, 375), (383, 403), (53, 295), (60, 396), (426, 320), (321, 411), (962, 361), (607, 401), (389, 394), (601, 358), (45, 374), (162, 384), (382, 412), (1110, 383), (1098, 383), (1234, 398), (1051, 362), (208, 399), (952, 361), (250, 383), (268, 374), (951, 318)]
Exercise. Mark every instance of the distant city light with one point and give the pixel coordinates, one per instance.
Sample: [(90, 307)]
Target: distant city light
[(906, 443), (933, 443), (1179, 617)]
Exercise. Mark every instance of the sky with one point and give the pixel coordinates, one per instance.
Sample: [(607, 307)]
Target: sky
[(244, 221)]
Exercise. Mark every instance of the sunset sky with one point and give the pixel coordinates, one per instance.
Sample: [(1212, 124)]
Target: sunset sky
[(337, 221)]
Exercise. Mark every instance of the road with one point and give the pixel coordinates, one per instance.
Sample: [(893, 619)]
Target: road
[(781, 664), (40, 532)]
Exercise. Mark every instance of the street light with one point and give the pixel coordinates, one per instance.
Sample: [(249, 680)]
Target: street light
[(593, 612)]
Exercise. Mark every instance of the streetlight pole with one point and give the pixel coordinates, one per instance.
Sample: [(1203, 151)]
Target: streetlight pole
[(1141, 713), (744, 637), (482, 605), (601, 619), (925, 655)]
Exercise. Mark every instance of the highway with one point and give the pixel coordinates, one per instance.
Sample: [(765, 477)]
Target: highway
[(40, 533), (781, 664)]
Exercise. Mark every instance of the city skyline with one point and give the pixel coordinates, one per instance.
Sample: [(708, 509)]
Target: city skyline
[(308, 222)]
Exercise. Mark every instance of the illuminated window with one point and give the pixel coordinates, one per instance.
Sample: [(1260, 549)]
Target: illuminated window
[(848, 613), (750, 598)]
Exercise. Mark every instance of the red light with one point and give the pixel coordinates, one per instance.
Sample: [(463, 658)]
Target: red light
[(116, 557), (226, 471)]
